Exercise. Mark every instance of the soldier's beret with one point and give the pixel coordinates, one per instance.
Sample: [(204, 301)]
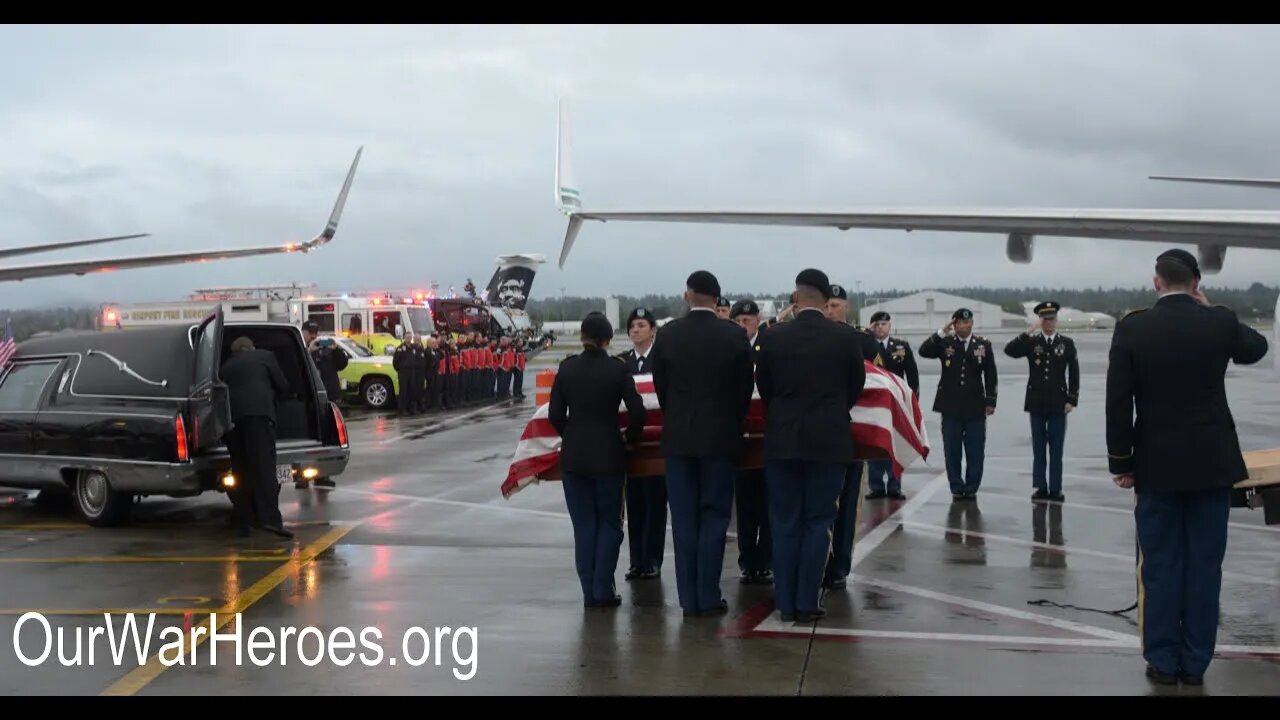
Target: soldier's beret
[(744, 307), (641, 314), (1048, 310), (815, 279), (703, 283), (880, 316), (962, 314), (839, 293), (721, 302), (1182, 257)]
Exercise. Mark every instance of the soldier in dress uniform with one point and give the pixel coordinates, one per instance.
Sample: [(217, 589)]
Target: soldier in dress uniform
[(646, 496), (722, 308), (755, 549), (899, 360), (1172, 441), (1053, 391), (840, 560), (966, 397), (406, 362)]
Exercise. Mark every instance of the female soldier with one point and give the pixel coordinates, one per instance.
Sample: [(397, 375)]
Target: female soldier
[(593, 458)]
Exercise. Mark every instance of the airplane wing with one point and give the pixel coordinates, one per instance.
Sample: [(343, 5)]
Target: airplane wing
[(84, 267), (50, 247), (1212, 230)]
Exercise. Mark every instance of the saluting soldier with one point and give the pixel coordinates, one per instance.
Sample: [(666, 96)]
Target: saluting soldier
[(1172, 441), (966, 397), (899, 360), (406, 363), (646, 496), (755, 549), (1053, 391)]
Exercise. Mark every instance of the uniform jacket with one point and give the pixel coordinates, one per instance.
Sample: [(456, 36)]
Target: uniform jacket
[(703, 379), (810, 373), (968, 383), (255, 383), (1169, 364), (1054, 372), (584, 411)]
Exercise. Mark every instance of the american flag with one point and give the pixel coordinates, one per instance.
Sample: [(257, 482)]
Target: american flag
[(7, 346), (886, 422)]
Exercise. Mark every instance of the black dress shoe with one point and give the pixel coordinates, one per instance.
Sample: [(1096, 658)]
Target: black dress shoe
[(1191, 679), (788, 617), (810, 616), (1040, 495), (278, 530), (649, 574), (633, 573), (1057, 497), (897, 495), (1161, 678), (835, 584)]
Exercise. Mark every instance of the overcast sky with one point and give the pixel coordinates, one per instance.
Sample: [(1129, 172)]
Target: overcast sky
[(212, 137)]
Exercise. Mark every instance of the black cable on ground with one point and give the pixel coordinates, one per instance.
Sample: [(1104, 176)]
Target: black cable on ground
[(1134, 606)]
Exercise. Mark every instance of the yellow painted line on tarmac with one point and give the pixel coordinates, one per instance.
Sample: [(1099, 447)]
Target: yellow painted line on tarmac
[(140, 677)]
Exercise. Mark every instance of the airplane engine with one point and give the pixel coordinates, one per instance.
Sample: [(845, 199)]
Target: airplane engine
[(1019, 247), (1212, 257)]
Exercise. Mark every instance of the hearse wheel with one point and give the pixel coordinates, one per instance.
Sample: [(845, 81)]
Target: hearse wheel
[(97, 503)]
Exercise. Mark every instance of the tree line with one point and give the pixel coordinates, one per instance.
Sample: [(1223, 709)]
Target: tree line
[(1254, 303)]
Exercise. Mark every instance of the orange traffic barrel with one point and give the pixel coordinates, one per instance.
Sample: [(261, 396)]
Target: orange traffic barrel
[(545, 379)]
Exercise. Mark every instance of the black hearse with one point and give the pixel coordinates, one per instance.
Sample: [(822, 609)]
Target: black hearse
[(113, 416)]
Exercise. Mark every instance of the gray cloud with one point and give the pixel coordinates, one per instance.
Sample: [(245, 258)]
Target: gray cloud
[(234, 136)]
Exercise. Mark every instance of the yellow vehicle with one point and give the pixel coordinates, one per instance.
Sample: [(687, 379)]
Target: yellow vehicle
[(376, 323)]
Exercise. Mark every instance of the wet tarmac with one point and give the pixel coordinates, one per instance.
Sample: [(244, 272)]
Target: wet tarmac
[(417, 554)]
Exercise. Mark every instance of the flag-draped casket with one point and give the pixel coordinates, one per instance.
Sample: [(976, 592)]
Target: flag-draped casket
[(886, 423)]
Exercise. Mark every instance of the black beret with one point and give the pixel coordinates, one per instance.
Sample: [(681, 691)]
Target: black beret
[(744, 307), (721, 302), (704, 283), (838, 292), (879, 316), (1182, 257), (596, 326), (1048, 310), (641, 314), (815, 279), (962, 314)]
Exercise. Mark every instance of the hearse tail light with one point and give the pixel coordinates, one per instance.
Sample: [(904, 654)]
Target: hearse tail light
[(180, 430), (228, 481), (341, 424)]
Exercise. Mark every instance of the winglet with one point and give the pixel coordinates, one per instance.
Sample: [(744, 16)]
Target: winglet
[(331, 227), (568, 199)]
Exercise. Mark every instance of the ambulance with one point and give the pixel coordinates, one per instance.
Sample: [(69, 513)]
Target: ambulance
[(378, 323)]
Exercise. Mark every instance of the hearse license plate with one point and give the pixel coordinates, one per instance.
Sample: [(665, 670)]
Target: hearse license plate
[(284, 474)]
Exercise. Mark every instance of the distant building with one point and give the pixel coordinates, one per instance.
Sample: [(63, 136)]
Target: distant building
[(930, 310)]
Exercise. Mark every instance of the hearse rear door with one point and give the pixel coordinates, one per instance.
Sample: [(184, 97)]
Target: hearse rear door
[(210, 399)]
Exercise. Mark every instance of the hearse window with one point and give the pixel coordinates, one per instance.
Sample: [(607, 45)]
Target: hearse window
[(322, 315), (23, 385), (207, 354)]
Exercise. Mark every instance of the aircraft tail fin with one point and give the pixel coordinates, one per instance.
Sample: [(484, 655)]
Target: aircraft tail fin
[(568, 197), (1243, 182), (512, 282)]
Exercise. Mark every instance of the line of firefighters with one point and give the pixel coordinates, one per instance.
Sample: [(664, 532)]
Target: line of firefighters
[(450, 373)]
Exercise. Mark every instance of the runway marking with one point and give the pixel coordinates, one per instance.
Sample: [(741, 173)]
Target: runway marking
[(1130, 559), (140, 677), (1115, 510), (458, 503), (868, 543)]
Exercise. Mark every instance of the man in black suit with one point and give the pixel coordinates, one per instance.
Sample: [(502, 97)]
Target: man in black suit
[(966, 397), (255, 384), (1053, 391), (755, 550), (583, 408), (1181, 456), (646, 496), (810, 373), (702, 377)]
